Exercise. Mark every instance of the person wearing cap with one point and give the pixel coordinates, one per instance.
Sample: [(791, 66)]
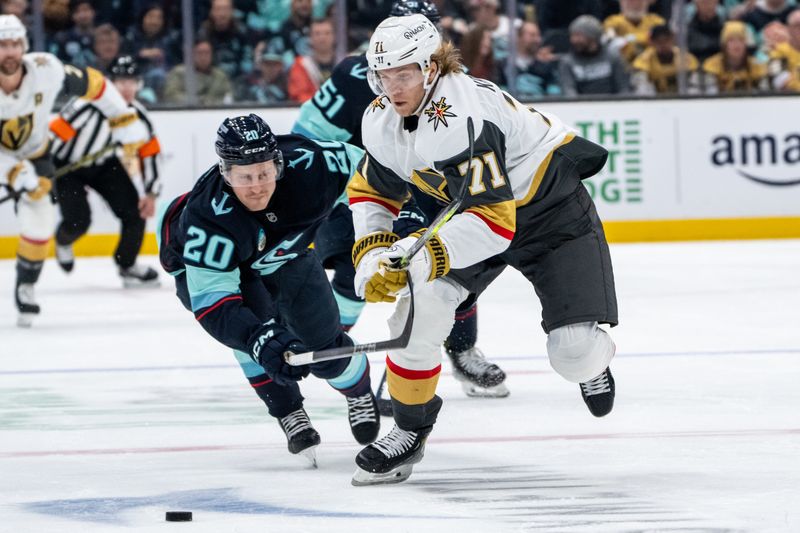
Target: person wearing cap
[(734, 69), (30, 83), (589, 67), (80, 130), (267, 83)]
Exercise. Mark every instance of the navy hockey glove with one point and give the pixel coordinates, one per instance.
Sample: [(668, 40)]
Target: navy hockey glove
[(268, 350)]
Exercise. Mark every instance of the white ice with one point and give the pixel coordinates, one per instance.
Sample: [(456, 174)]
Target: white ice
[(117, 407)]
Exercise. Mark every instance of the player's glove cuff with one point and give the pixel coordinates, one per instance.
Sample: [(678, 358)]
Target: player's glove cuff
[(437, 251), (383, 239)]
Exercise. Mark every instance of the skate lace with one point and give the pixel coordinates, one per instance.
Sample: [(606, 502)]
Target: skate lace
[(361, 409), (25, 293), (398, 441), (473, 361), (295, 422), (598, 385)]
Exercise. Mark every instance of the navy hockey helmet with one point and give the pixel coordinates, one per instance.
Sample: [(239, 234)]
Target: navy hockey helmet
[(402, 8), (246, 140), (124, 67)]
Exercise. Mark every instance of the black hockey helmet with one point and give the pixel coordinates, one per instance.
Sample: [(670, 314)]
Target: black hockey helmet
[(245, 140), (124, 67), (402, 8)]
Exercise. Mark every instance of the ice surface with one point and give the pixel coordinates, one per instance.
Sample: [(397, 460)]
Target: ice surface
[(117, 407)]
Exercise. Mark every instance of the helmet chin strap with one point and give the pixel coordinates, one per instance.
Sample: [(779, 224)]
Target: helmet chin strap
[(428, 92)]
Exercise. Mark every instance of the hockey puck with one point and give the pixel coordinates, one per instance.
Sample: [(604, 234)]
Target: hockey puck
[(179, 516)]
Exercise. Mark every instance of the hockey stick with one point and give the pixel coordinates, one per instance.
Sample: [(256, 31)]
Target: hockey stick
[(306, 358), (66, 169), (384, 404), (298, 359)]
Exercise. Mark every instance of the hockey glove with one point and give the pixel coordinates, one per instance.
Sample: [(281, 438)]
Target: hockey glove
[(23, 178), (129, 132), (268, 351), (430, 263), (373, 282)]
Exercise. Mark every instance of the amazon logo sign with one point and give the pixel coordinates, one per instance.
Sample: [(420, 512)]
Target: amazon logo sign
[(772, 160)]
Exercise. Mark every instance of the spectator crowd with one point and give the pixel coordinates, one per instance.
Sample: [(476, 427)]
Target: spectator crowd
[(276, 51)]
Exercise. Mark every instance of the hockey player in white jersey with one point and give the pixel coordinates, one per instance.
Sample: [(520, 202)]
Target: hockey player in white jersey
[(524, 206), (29, 85)]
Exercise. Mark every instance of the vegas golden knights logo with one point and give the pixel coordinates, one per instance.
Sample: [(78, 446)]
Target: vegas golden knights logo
[(15, 132), (431, 183)]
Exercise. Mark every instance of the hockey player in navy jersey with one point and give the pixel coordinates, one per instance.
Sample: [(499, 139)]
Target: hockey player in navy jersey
[(517, 173), (237, 246), (335, 113)]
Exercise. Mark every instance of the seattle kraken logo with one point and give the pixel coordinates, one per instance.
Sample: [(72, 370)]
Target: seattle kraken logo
[(275, 258)]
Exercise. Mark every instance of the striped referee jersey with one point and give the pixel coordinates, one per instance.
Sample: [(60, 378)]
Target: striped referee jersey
[(81, 129)]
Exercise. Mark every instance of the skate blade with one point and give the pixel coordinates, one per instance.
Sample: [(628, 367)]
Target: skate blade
[(362, 478), (138, 284), (310, 454), (476, 391), (25, 320)]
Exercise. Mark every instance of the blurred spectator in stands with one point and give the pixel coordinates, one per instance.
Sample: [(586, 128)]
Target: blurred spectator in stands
[(486, 13), (267, 84), (156, 47), (117, 12), (590, 68), (233, 50), (477, 54), (453, 21), (107, 46), (630, 30), (297, 27), (656, 69), (784, 59), (308, 72), (704, 28), (555, 16), (364, 15), (15, 7), (265, 16), (213, 85), (536, 68), (734, 69), (766, 12), (56, 19), (74, 46)]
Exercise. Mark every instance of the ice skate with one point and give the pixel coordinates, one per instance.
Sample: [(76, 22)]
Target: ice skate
[(65, 257), (301, 436), (139, 276), (478, 377), (598, 393), (390, 459), (365, 422), (26, 305)]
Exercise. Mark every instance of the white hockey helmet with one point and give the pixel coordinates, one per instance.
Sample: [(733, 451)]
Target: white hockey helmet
[(12, 29), (400, 41)]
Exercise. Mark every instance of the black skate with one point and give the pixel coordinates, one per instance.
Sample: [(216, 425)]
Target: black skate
[(392, 458), (26, 304), (362, 412), (598, 393), (138, 276), (478, 377), (65, 257), (301, 436)]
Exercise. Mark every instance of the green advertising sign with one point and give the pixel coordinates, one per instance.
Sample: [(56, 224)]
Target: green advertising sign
[(621, 179)]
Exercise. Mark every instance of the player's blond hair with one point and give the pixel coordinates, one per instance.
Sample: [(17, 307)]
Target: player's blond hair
[(448, 58)]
